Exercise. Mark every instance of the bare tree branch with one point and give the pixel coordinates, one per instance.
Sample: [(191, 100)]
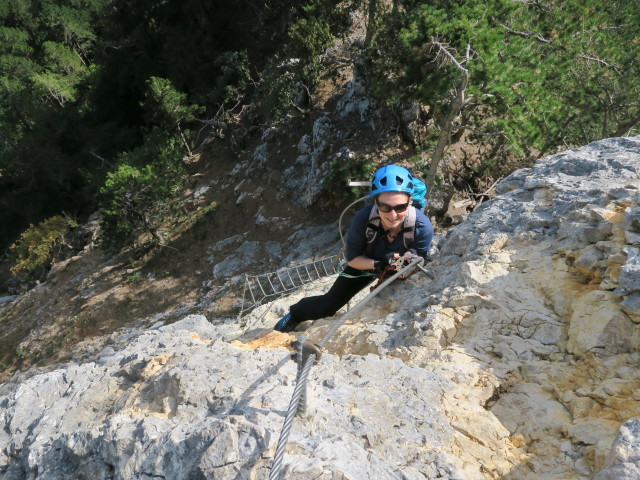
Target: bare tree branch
[(535, 35), (444, 49), (101, 158), (448, 124), (626, 126), (600, 61), (184, 140), (213, 123)]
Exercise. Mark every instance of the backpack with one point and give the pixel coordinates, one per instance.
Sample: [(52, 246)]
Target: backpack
[(419, 194), (374, 228)]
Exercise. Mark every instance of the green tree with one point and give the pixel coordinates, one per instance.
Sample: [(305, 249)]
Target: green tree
[(90, 86), (516, 77), (167, 108), (38, 246), (141, 192), (436, 54), (143, 189), (589, 85), (45, 50)]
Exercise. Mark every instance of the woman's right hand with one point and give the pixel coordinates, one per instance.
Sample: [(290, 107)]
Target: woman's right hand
[(388, 261)]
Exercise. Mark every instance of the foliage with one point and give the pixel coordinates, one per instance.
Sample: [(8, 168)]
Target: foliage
[(234, 78), (134, 278), (167, 109), (142, 190), (165, 106), (84, 81), (309, 38), (587, 66), (529, 77), (342, 171), (38, 245), (105, 95), (45, 48), (296, 63)]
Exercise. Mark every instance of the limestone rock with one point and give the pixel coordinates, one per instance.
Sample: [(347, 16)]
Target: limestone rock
[(516, 358), (624, 459)]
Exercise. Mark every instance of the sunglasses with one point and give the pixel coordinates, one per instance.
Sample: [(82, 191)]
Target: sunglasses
[(385, 208)]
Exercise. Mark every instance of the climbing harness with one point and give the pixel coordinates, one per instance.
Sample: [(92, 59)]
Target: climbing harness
[(391, 178), (391, 269), (418, 200), (308, 354), (269, 286), (258, 288)]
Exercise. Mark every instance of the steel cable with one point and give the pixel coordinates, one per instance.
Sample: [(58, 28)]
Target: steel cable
[(415, 263), (303, 373), (291, 413)]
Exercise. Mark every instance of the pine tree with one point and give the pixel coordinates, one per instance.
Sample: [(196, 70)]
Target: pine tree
[(45, 65), (518, 78)]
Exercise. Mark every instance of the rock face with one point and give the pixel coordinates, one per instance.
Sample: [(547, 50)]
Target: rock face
[(519, 361)]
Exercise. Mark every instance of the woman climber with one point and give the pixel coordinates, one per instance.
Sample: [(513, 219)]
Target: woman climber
[(378, 235)]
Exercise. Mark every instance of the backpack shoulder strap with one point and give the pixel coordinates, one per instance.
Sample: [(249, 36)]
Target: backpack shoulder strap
[(372, 230), (409, 227)]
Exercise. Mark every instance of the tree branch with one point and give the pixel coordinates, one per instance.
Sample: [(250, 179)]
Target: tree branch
[(371, 17), (102, 159), (213, 123), (626, 126), (444, 50), (537, 36), (184, 140), (600, 61), (457, 104), (7, 140)]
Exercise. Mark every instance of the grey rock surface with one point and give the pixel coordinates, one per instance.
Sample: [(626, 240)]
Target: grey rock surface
[(517, 360)]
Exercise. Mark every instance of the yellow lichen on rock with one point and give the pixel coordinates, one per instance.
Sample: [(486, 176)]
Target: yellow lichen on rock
[(271, 341)]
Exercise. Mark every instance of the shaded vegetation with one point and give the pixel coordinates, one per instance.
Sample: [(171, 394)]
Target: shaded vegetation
[(95, 94), (101, 100), (517, 78), (38, 245)]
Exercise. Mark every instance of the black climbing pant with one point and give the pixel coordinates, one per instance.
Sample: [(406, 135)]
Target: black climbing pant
[(350, 282)]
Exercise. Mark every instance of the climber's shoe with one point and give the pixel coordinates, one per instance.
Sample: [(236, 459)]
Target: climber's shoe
[(286, 324)]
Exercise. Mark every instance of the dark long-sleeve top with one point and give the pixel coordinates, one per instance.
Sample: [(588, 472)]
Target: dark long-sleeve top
[(356, 239)]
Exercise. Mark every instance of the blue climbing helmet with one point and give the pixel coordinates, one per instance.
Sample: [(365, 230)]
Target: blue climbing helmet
[(392, 178)]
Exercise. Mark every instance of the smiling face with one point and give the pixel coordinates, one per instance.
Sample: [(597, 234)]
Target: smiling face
[(393, 219)]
